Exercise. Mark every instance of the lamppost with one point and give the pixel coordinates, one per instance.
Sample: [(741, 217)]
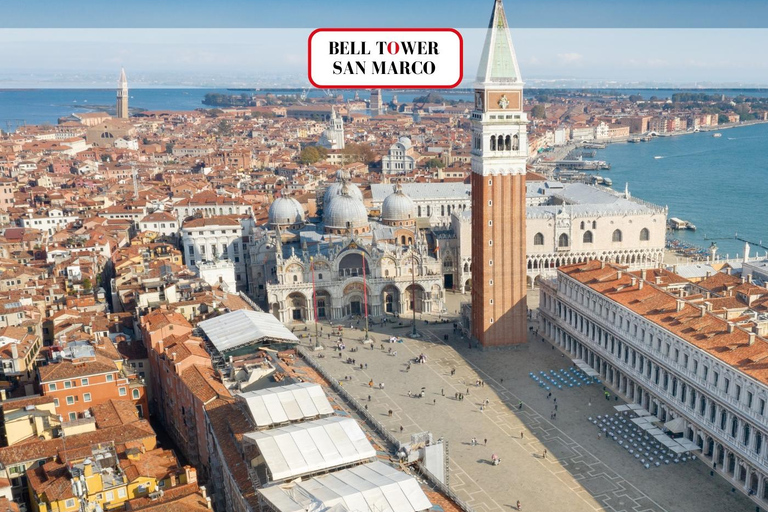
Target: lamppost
[(314, 300), (414, 334), (365, 298)]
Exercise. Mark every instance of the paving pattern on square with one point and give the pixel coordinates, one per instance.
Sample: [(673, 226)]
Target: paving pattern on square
[(579, 472)]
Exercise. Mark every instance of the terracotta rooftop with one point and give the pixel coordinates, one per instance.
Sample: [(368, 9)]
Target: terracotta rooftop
[(706, 331)]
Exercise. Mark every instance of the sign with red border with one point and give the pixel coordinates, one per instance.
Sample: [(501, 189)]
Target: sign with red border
[(385, 58)]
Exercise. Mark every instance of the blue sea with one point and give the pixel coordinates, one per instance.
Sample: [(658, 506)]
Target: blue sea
[(719, 184)]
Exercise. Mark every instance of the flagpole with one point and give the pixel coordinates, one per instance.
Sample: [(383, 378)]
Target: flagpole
[(365, 298), (314, 300)]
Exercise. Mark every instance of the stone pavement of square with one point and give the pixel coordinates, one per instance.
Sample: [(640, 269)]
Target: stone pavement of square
[(579, 472)]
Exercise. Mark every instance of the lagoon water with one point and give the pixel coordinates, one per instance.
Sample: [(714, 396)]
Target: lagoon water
[(719, 184)]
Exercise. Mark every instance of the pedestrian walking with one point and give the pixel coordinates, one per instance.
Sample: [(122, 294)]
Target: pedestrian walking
[(522, 434), (555, 399), (549, 395), (401, 429), (485, 442), (389, 413), (467, 390), (545, 452), (599, 435), (520, 406), (481, 408), (442, 391), (434, 401), (369, 398), (409, 394), (456, 396), (589, 403), (555, 406), (519, 505), (453, 372)]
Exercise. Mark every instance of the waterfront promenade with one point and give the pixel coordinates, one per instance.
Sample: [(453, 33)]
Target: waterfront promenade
[(580, 471)]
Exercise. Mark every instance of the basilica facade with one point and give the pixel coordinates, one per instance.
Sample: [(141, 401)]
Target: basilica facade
[(346, 264)]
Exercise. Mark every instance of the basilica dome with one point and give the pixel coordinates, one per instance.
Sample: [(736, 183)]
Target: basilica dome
[(335, 189), (345, 213), (398, 208), (286, 212)]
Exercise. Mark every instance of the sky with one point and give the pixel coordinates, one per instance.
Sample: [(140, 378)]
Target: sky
[(381, 13), (260, 43)]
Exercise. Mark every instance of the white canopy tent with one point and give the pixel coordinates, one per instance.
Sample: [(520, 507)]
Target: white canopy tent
[(676, 425), (622, 408), (282, 404), (374, 487), (583, 366), (241, 328), (305, 448)]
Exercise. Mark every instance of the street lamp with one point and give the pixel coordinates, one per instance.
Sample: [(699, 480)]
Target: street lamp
[(314, 300)]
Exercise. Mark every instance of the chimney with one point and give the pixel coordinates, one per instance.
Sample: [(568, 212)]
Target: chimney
[(730, 327), (14, 350), (640, 285), (602, 264), (619, 273), (709, 274), (674, 269), (749, 278), (204, 491), (752, 337), (658, 279), (679, 304), (702, 310), (642, 274), (633, 281)]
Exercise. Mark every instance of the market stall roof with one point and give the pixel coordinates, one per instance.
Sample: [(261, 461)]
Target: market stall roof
[(676, 425), (282, 404), (374, 487), (305, 448), (244, 327)]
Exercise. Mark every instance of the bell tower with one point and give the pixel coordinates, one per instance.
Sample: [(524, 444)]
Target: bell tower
[(122, 96), (499, 153)]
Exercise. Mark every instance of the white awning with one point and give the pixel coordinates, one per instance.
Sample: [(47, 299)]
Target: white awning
[(688, 445), (282, 404), (621, 408), (678, 448), (583, 366), (655, 431), (676, 425), (244, 327), (374, 487), (306, 448)]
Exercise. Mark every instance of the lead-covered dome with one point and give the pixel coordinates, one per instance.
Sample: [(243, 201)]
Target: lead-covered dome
[(345, 213), (286, 212), (335, 189), (398, 208)]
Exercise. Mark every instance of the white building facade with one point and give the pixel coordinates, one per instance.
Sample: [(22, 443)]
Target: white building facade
[(675, 359), (217, 238)]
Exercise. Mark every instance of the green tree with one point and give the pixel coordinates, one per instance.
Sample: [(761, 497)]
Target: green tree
[(722, 119), (435, 162), (312, 154), (539, 112), (359, 153), (634, 98), (225, 129), (87, 284)]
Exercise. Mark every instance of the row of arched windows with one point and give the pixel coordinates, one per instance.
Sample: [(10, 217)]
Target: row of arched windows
[(502, 143), (563, 240)]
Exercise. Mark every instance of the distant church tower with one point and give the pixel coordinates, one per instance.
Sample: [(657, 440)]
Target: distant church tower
[(122, 96), (499, 151)]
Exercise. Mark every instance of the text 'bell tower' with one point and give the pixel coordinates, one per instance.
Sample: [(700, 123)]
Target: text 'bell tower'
[(499, 152)]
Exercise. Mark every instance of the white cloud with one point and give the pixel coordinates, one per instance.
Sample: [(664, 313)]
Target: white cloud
[(570, 58)]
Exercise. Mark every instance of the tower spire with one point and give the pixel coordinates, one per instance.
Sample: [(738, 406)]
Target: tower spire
[(122, 96), (498, 63)]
